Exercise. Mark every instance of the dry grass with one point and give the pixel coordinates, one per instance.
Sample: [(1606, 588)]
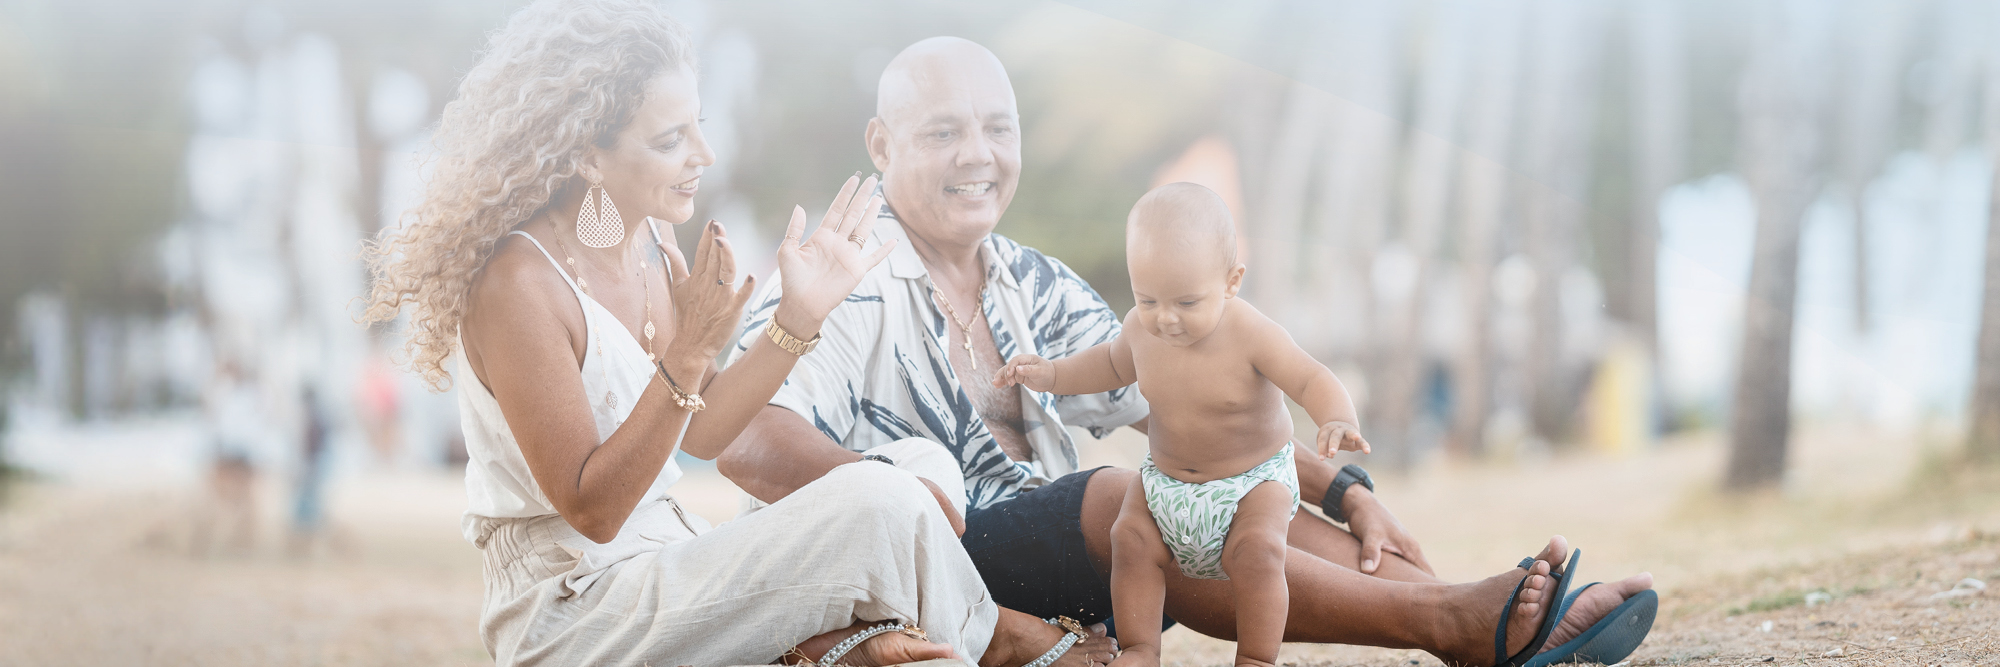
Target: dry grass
[(95, 573)]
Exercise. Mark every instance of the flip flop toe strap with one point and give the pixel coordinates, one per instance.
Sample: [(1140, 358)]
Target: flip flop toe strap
[(1554, 613), (1500, 658)]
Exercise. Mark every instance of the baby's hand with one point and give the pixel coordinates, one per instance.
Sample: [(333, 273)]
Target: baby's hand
[(1339, 436), (1027, 370)]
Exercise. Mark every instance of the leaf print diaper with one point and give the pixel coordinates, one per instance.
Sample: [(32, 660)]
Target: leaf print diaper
[(1194, 518)]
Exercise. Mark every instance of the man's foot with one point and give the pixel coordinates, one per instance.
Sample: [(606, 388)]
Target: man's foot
[(1474, 645), (1593, 603), (1019, 638)]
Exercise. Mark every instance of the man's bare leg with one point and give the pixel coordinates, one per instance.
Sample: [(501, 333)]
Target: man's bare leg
[(1334, 604), (1315, 535)]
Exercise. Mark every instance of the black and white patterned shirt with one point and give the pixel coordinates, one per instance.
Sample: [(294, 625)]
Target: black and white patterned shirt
[(881, 375)]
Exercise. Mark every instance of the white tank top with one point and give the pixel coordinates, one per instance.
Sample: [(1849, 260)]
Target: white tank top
[(616, 370)]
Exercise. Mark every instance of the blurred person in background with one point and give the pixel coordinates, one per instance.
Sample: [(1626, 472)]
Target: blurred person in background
[(913, 356), (380, 406), (233, 406), (308, 496), (583, 363)]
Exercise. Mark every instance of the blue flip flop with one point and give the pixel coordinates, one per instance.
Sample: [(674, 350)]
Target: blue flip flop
[(1527, 656), (1613, 638)]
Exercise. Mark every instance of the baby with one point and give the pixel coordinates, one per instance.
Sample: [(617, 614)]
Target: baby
[(1219, 486)]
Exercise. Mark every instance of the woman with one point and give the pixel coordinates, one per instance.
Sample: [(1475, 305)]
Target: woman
[(585, 360)]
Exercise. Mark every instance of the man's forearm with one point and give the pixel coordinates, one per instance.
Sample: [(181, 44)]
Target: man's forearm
[(778, 453)]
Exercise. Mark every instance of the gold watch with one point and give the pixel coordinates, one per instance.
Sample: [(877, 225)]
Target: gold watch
[(789, 342)]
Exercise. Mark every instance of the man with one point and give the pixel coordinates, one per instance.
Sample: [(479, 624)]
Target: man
[(913, 352)]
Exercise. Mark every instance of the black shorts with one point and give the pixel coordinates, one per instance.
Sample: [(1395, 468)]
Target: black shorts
[(1030, 551)]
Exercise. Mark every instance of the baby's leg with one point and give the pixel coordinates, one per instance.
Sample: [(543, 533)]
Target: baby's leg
[(1254, 557), (1138, 579)]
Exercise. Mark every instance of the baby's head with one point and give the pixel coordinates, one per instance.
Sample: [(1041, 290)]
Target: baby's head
[(1180, 245)]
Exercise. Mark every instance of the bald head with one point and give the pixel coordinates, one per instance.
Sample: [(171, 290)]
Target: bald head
[(938, 69), (947, 138), (1185, 219)]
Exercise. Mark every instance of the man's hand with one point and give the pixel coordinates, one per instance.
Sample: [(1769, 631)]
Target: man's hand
[(1028, 371), (1340, 436), (1379, 531), (950, 511)]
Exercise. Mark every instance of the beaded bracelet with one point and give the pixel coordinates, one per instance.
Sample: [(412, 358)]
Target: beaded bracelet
[(688, 401)]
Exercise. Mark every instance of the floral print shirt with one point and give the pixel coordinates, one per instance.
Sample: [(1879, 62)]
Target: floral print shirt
[(880, 373)]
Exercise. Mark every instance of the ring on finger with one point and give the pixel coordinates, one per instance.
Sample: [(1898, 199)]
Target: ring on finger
[(719, 281), (857, 240)]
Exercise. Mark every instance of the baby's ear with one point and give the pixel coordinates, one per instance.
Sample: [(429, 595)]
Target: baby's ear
[(1235, 281)]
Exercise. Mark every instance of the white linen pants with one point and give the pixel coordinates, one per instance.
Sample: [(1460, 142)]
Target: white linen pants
[(867, 542)]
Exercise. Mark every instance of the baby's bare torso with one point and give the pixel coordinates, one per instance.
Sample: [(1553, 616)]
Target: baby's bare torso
[(1213, 414)]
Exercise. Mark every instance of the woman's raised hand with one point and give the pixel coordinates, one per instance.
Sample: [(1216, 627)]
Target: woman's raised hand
[(819, 271), (707, 303)]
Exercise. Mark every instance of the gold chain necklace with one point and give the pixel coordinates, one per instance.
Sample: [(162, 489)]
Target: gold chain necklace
[(963, 325), (610, 397)]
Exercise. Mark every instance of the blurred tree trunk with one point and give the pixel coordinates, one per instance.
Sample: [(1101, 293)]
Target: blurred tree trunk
[(1278, 213), (1353, 197), (1561, 108), (1985, 440), (1954, 69), (1869, 120), (1984, 443), (1494, 54), (1433, 156), (1659, 142), (1780, 142)]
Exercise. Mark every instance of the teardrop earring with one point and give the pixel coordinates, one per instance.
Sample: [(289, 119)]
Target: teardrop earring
[(598, 225)]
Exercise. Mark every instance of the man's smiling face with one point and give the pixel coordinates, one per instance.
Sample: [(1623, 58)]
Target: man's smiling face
[(947, 140)]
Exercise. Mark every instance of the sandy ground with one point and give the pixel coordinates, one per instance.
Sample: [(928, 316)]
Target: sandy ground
[(103, 568)]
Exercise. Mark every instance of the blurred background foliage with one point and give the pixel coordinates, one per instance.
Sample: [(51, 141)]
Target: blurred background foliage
[(1458, 204)]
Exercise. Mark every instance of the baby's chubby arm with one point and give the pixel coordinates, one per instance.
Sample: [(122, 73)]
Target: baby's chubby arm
[(1311, 385), (1103, 367)]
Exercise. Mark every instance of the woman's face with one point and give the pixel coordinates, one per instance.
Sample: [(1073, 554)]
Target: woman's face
[(655, 166)]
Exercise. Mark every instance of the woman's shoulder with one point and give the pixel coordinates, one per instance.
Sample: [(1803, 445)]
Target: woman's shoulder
[(517, 279)]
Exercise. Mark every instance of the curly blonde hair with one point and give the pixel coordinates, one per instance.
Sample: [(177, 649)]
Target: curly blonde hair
[(563, 75)]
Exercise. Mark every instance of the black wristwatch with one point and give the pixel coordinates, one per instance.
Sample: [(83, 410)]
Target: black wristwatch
[(879, 457), (1349, 476)]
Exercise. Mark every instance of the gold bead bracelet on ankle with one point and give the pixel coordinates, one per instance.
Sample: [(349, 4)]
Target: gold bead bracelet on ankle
[(688, 401), (789, 342)]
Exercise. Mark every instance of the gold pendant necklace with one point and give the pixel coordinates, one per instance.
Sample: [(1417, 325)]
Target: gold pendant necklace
[(963, 325), (610, 397)]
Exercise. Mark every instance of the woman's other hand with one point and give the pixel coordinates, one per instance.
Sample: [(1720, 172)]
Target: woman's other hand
[(707, 305), (819, 271)]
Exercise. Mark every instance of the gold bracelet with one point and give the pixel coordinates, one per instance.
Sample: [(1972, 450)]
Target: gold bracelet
[(789, 342), (687, 401)]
